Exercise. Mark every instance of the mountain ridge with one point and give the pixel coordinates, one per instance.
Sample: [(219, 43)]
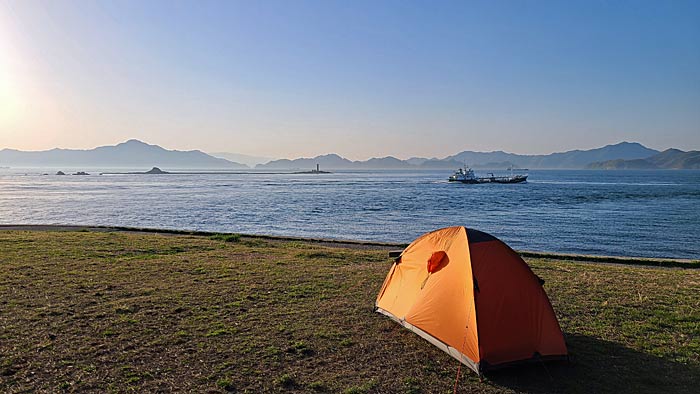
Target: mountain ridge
[(672, 158), (249, 160), (128, 154), (571, 159), (574, 159), (134, 153)]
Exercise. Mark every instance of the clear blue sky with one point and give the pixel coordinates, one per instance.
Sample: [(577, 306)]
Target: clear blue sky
[(362, 79)]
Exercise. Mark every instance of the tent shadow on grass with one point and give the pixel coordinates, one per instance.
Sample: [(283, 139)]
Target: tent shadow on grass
[(601, 366)]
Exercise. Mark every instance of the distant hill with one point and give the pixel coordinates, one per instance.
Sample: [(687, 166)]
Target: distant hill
[(562, 160), (248, 160), (134, 153), (388, 162), (438, 164), (416, 161), (335, 162), (668, 159), (330, 161), (491, 160), (129, 154)]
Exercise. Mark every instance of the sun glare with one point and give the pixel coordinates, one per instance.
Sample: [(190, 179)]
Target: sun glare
[(10, 102)]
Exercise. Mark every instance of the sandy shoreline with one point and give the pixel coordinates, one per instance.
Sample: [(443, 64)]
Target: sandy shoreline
[(623, 260)]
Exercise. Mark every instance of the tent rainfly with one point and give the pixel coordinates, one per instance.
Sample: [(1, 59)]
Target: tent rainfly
[(472, 296)]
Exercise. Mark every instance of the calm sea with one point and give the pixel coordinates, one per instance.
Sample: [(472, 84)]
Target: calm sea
[(627, 213)]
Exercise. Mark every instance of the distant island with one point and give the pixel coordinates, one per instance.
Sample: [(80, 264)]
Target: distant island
[(669, 159), (135, 154), (250, 161), (77, 173), (132, 153), (156, 170), (575, 159), (152, 171), (315, 171)]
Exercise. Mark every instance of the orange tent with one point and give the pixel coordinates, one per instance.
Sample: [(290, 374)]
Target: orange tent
[(472, 296)]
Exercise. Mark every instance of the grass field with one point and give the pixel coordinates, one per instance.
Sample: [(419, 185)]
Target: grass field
[(119, 312)]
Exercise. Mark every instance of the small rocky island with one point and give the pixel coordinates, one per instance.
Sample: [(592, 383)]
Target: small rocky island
[(316, 171), (154, 170)]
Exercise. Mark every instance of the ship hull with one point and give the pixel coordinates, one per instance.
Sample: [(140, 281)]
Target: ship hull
[(502, 180)]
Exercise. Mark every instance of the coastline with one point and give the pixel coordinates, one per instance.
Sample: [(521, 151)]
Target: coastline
[(360, 244)]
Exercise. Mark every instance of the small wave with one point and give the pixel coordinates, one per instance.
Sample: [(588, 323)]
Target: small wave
[(594, 183), (558, 212)]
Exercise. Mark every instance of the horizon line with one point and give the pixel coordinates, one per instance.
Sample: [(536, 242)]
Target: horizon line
[(340, 155)]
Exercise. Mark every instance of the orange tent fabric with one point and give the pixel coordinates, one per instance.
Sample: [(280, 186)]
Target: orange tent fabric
[(472, 296)]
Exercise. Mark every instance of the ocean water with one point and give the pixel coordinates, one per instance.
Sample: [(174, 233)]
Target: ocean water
[(624, 213)]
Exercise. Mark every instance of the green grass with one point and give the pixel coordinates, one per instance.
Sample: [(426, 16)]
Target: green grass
[(119, 312), (226, 237)]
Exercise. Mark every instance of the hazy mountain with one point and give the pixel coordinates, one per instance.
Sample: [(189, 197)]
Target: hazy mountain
[(570, 159), (620, 164), (388, 162), (454, 164), (440, 164), (330, 161), (416, 161), (335, 162), (248, 160), (486, 160), (677, 159), (668, 159), (131, 154), (497, 165), (134, 153)]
